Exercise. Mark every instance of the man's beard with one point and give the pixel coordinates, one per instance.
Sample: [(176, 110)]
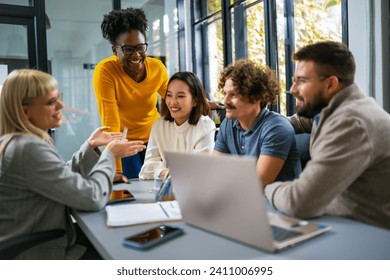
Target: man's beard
[(311, 111)]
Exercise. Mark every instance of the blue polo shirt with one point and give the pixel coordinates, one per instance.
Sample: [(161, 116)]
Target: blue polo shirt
[(271, 134)]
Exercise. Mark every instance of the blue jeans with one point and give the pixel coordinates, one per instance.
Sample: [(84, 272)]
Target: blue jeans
[(131, 166)]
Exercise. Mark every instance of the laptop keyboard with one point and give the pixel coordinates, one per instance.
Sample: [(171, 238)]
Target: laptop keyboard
[(281, 234)]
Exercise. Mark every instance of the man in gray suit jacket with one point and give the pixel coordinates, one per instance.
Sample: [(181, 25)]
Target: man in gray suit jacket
[(349, 171)]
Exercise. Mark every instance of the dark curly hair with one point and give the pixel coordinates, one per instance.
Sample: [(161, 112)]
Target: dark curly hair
[(120, 21), (252, 81)]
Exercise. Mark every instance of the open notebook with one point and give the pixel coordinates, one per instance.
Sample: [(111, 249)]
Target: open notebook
[(141, 213), (223, 194)]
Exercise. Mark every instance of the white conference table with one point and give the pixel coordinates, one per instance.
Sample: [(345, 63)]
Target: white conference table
[(347, 239)]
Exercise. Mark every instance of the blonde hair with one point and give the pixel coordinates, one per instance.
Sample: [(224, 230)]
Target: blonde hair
[(19, 89)]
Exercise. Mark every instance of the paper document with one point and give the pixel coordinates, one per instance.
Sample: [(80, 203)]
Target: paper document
[(140, 213)]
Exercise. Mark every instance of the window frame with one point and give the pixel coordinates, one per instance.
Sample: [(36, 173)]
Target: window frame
[(33, 17), (200, 59)]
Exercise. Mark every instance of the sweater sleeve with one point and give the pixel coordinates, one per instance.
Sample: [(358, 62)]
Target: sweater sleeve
[(204, 141), (339, 156), (153, 161), (49, 176), (84, 159), (301, 124), (105, 93)]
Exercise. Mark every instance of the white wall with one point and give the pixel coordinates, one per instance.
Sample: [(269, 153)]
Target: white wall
[(368, 24)]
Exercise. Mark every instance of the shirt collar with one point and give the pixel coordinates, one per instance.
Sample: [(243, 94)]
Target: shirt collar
[(317, 119), (258, 119)]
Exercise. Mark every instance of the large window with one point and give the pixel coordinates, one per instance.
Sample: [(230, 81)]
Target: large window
[(266, 31), (208, 39)]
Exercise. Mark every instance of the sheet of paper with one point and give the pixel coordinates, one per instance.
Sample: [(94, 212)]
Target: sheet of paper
[(140, 213)]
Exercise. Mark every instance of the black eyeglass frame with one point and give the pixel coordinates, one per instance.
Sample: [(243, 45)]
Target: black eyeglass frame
[(127, 49)]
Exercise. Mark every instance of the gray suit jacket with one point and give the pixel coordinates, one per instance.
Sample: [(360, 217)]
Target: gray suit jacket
[(349, 171), (37, 187)]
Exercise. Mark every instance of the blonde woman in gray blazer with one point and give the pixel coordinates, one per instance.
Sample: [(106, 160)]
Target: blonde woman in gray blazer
[(36, 186)]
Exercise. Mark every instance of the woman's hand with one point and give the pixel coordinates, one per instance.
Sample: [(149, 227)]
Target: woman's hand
[(101, 138), (164, 173), (122, 149), (120, 178)]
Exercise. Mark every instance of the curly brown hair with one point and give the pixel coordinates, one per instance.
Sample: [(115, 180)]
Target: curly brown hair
[(252, 81), (124, 20)]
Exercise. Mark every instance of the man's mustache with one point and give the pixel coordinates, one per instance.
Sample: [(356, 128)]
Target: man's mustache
[(229, 106)]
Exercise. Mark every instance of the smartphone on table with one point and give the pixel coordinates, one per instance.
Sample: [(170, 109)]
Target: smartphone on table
[(152, 237), (120, 196)]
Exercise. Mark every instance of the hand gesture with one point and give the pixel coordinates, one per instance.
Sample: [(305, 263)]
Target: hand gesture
[(101, 138), (122, 149)]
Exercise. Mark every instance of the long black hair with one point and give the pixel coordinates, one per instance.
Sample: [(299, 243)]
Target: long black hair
[(198, 94)]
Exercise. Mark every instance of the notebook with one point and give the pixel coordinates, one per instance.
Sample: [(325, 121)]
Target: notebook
[(223, 194), (140, 213)]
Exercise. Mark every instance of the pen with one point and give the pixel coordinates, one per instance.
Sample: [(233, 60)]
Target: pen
[(162, 208), (124, 136)]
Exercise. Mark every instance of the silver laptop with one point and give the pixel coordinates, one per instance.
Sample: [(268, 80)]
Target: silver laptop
[(223, 194)]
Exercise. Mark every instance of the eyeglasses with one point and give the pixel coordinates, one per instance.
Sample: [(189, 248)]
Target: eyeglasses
[(51, 102), (127, 49), (54, 101), (302, 80)]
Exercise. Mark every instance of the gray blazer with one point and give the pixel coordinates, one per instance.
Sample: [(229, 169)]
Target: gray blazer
[(349, 171), (37, 188)]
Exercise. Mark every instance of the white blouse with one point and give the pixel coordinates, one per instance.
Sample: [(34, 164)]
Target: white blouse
[(168, 136)]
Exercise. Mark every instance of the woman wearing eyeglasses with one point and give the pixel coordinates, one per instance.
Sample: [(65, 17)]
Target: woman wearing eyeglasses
[(37, 187), (127, 84)]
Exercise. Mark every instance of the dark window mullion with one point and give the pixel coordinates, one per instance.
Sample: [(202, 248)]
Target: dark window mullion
[(181, 34), (116, 4), (40, 33), (16, 11), (205, 59), (344, 20), (271, 40), (289, 46), (240, 32), (204, 47), (226, 33)]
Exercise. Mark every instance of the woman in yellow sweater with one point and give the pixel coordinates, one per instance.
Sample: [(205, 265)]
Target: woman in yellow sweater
[(126, 84)]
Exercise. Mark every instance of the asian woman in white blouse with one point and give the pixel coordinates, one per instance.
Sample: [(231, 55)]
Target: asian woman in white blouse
[(185, 125)]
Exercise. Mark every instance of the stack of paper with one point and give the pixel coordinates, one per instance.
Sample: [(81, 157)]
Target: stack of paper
[(140, 213)]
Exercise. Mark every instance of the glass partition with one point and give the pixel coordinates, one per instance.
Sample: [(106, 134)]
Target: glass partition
[(13, 47), (75, 45)]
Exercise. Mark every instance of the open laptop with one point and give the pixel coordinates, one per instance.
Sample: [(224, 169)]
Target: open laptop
[(223, 194)]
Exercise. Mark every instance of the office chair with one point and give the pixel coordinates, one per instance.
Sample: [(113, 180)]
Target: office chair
[(10, 248), (221, 116)]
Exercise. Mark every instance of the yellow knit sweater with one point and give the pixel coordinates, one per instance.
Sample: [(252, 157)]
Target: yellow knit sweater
[(123, 102)]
